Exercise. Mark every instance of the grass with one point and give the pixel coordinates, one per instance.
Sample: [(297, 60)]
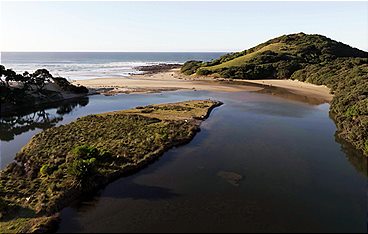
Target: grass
[(171, 111), (275, 47), (62, 163)]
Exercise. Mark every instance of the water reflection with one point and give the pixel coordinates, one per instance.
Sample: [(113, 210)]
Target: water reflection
[(284, 93), (16, 125), (355, 157), (28, 120)]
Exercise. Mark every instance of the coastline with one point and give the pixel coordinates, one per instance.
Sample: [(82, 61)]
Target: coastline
[(174, 80)]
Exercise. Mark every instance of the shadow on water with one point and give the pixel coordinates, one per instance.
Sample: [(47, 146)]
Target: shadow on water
[(278, 91), (123, 189), (284, 93), (355, 157), (31, 119)]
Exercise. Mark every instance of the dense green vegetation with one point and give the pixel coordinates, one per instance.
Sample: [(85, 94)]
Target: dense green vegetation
[(311, 58), (30, 88), (190, 67), (277, 58), (61, 163)]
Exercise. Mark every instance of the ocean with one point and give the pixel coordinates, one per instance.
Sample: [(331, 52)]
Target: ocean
[(88, 65)]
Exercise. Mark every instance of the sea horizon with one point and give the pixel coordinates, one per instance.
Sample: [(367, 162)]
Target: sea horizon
[(89, 65)]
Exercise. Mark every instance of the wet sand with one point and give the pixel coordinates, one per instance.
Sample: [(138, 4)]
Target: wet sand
[(174, 80), (298, 87)]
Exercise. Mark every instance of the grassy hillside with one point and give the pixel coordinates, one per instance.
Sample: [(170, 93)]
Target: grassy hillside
[(238, 61), (311, 58), (277, 58)]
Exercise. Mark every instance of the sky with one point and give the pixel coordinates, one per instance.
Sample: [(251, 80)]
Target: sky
[(173, 26)]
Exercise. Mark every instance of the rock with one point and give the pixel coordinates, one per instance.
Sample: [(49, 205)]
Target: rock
[(231, 177)]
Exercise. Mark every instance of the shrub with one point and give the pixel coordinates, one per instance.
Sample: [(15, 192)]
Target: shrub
[(82, 169), (65, 85), (47, 169), (147, 110), (3, 203), (78, 89), (191, 67), (85, 152), (3, 206), (105, 154), (352, 111), (203, 72)]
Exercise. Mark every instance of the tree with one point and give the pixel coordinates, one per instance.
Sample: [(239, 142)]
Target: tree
[(40, 77), (9, 76), (27, 80), (2, 73)]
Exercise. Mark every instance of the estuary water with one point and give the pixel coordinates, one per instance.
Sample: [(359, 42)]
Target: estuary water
[(260, 163)]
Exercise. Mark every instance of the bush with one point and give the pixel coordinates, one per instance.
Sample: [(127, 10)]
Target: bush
[(47, 169), (3, 206), (78, 89), (191, 67), (203, 72), (3, 203), (82, 169), (65, 85), (147, 110), (85, 152), (352, 111), (104, 154)]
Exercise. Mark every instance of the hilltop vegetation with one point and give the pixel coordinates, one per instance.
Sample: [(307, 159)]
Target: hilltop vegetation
[(277, 58), (62, 163), (311, 58)]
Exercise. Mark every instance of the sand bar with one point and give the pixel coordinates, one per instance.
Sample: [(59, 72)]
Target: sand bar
[(174, 80)]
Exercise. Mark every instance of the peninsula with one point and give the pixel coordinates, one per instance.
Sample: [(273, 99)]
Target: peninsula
[(62, 163)]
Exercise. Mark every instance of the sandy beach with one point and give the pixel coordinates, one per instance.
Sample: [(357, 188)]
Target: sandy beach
[(174, 80), (298, 87)]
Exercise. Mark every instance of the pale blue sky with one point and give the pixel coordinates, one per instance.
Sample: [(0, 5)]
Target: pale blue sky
[(174, 26)]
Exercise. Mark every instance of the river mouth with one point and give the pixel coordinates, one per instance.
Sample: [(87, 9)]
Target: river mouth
[(260, 163)]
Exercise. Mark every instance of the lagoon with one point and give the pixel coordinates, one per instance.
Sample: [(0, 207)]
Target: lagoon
[(260, 163)]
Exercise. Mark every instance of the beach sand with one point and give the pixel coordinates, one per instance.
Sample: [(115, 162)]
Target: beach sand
[(171, 80), (298, 87), (174, 80)]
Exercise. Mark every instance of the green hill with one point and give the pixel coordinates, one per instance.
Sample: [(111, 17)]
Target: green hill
[(311, 58), (276, 58)]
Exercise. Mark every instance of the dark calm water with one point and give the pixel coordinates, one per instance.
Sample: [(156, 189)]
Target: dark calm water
[(87, 65), (295, 174)]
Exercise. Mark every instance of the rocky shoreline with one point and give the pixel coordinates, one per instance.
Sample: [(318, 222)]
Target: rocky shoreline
[(162, 67)]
